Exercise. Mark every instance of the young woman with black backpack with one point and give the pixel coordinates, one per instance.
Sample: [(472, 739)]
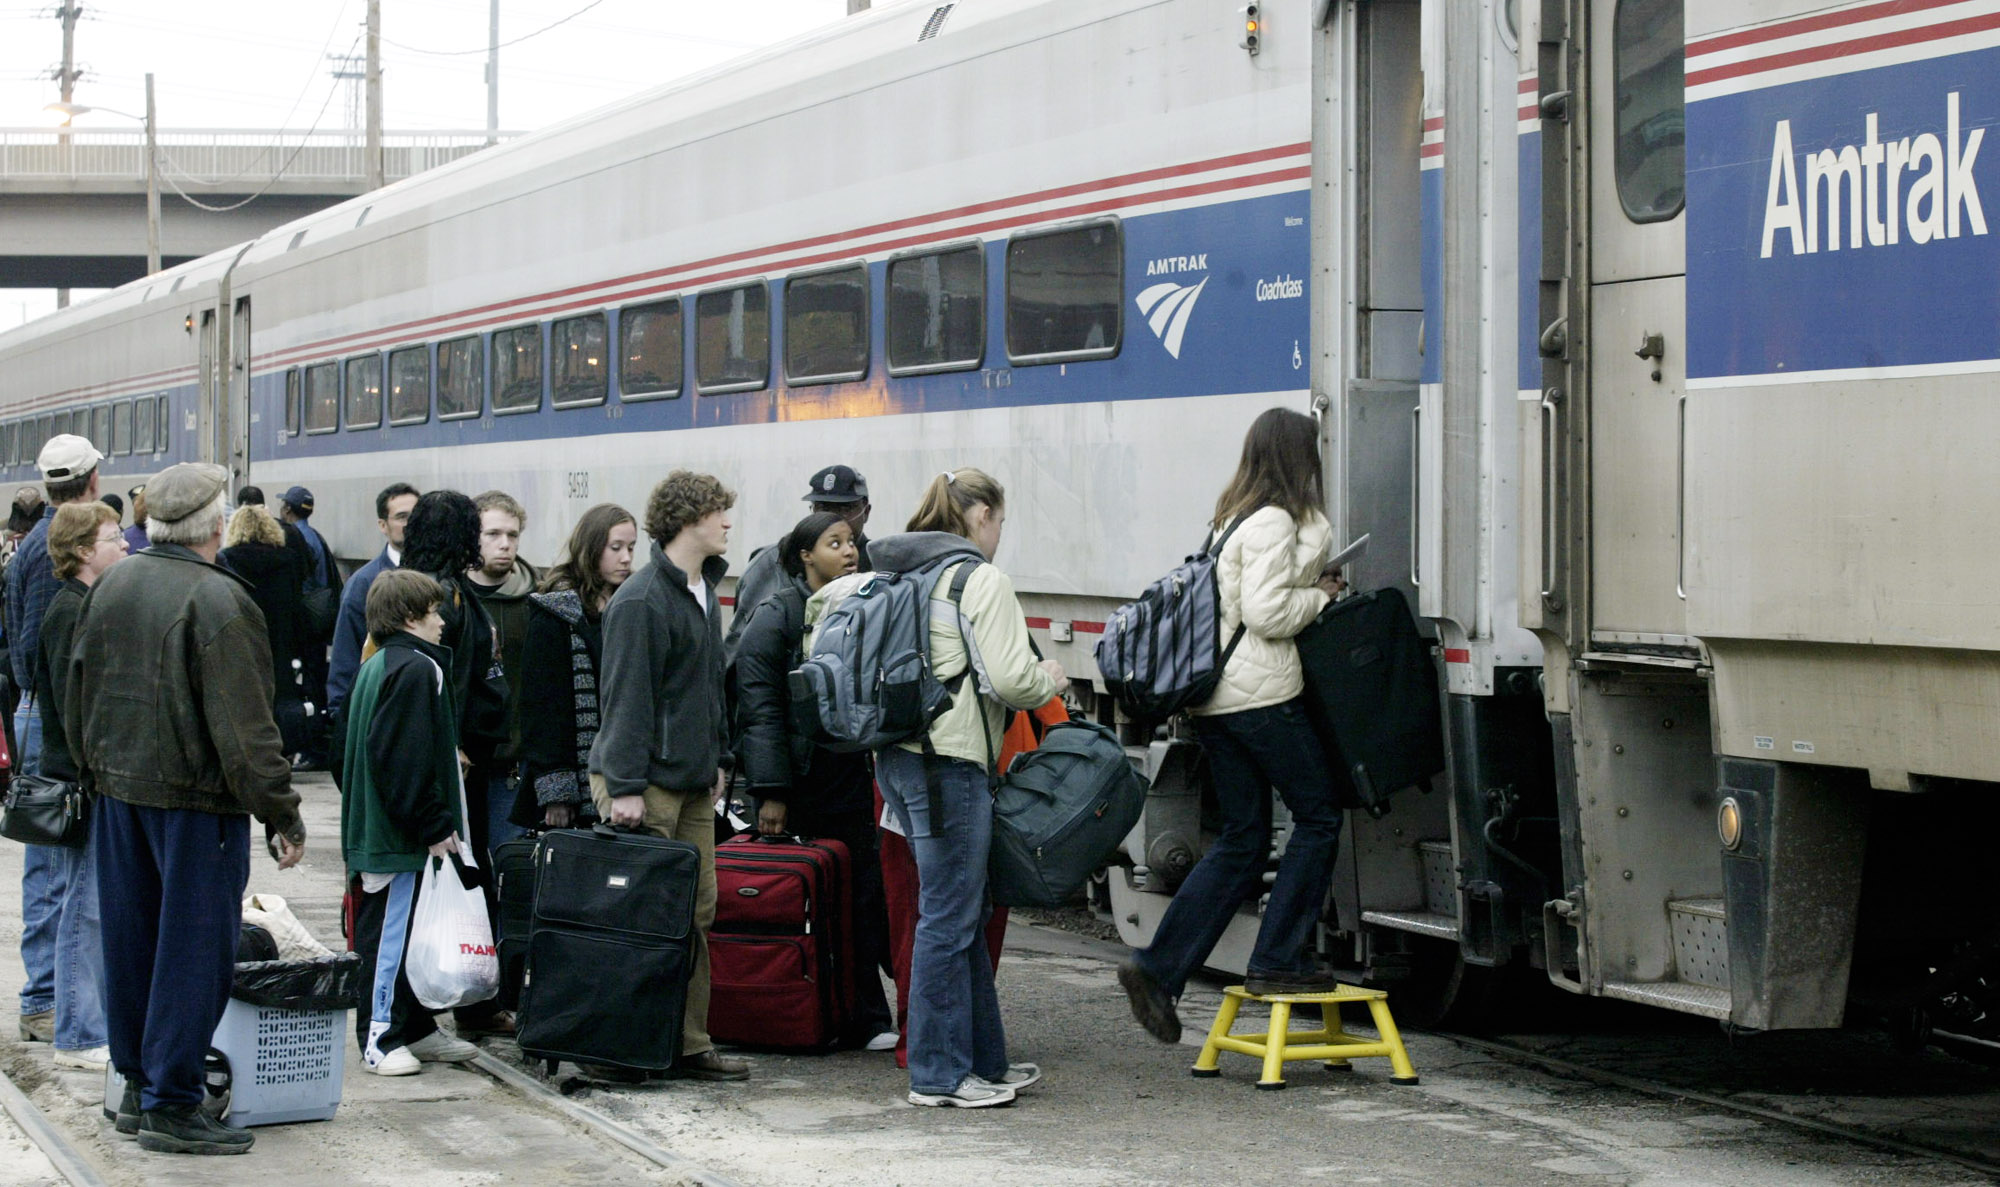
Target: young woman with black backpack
[(802, 788), (1255, 734)]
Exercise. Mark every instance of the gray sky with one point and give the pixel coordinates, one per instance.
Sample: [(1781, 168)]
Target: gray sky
[(263, 63)]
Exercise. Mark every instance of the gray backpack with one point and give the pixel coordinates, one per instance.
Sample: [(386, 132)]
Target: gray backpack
[(868, 682), (1059, 813), (1164, 652)]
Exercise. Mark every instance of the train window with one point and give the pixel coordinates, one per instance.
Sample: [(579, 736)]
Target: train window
[(732, 339), (144, 422), (322, 402), (517, 370), (582, 350), (1065, 293), (166, 440), (649, 339), (461, 381), (410, 386), (937, 311), (826, 326), (121, 427), (7, 442), (100, 428), (364, 392), (1649, 155), (292, 396)]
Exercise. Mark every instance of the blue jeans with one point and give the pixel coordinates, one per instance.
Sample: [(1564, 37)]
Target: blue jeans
[(79, 950), (61, 941), (1249, 753), (954, 1019), (499, 804), (42, 880)]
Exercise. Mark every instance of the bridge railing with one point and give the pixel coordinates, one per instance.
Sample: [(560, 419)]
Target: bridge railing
[(224, 157)]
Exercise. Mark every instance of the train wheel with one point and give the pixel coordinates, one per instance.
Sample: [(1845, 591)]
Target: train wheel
[(1442, 991)]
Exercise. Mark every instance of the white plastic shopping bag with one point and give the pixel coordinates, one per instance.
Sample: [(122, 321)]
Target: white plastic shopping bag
[(450, 960)]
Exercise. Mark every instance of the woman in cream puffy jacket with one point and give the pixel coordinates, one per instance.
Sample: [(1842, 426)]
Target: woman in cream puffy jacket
[(1256, 735)]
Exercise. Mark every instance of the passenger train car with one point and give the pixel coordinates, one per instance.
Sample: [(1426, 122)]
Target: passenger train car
[(1648, 338)]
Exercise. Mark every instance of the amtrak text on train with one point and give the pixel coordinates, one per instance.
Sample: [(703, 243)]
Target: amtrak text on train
[(1942, 201), (1172, 264)]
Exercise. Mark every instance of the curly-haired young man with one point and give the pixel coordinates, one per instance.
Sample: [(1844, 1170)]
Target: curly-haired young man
[(658, 757)]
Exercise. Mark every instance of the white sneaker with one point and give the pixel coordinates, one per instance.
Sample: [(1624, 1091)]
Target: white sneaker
[(90, 1059), (972, 1093), (1016, 1077), (886, 1041), (439, 1047), (396, 1063)]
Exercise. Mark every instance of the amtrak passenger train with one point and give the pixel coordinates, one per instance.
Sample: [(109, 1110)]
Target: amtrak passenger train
[(1652, 342)]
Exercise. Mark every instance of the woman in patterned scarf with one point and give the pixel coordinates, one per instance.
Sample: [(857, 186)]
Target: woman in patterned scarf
[(559, 711)]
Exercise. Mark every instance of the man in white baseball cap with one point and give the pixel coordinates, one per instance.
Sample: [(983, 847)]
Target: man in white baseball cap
[(53, 890)]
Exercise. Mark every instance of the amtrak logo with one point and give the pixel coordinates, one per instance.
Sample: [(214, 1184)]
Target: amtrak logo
[(1167, 308)]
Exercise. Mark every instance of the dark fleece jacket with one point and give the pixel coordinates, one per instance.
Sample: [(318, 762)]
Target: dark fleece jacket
[(664, 721)]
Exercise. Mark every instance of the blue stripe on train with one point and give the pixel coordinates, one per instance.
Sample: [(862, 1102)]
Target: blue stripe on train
[(1884, 305)]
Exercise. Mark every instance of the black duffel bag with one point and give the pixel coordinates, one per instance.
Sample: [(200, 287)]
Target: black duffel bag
[(39, 810), (1060, 813)]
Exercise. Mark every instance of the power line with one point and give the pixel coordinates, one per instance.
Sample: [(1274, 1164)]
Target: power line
[(460, 53), (275, 177)]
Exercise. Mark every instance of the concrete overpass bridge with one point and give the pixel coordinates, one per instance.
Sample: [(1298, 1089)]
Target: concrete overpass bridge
[(73, 202)]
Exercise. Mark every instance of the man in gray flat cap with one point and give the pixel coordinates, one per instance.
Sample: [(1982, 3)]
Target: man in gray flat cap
[(168, 711)]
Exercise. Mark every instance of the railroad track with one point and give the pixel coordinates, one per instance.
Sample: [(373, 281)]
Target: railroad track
[(80, 1171), (1514, 1053)]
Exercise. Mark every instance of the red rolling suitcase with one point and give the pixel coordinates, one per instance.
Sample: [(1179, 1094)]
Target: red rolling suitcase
[(781, 956)]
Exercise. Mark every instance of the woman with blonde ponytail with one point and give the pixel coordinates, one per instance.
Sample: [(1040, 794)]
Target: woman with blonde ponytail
[(936, 788)]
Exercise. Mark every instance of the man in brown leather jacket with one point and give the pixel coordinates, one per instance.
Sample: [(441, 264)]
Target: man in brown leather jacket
[(168, 711)]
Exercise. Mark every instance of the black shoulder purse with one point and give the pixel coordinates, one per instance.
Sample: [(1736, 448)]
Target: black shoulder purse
[(42, 811)]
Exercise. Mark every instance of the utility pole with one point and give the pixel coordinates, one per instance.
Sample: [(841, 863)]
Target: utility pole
[(372, 147), (493, 76), (152, 182), (66, 79)]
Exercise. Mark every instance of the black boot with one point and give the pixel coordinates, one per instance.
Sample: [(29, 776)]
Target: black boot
[(185, 1129), (126, 1120)]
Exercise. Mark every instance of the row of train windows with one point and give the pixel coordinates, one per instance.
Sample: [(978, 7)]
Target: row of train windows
[(1064, 291), (121, 429)]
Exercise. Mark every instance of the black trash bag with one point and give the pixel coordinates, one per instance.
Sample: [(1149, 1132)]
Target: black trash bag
[(327, 983)]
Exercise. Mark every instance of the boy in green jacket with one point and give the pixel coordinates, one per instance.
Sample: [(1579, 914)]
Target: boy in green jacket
[(403, 803)]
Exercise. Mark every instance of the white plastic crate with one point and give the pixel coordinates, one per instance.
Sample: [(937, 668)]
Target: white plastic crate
[(284, 1065)]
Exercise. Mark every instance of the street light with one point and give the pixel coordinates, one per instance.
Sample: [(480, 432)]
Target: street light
[(70, 111)]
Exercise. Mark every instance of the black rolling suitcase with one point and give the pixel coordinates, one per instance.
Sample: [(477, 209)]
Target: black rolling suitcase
[(514, 887), (610, 948), (1372, 696)]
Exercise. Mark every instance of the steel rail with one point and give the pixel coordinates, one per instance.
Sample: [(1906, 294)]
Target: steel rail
[(1657, 1088), (69, 1163), (533, 1089)]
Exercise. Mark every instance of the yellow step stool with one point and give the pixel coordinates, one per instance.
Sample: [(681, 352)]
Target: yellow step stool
[(1329, 1042)]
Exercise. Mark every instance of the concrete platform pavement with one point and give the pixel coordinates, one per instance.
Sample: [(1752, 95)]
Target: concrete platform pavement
[(1116, 1109), (447, 1125)]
